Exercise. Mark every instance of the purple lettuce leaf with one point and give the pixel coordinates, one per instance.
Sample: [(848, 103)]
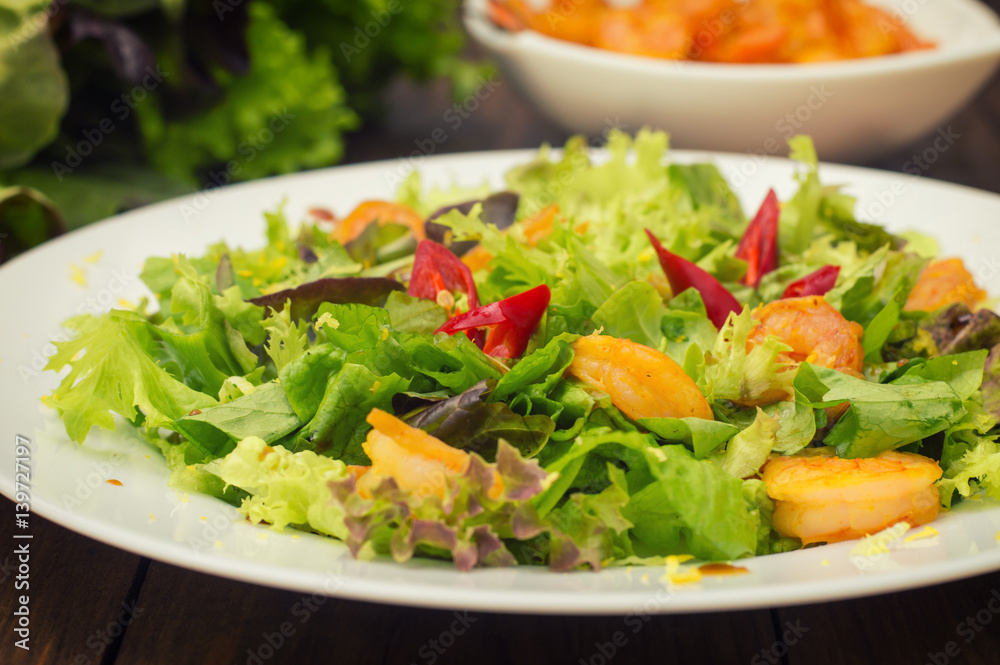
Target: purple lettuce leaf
[(498, 209), (466, 523), (307, 298), (467, 421)]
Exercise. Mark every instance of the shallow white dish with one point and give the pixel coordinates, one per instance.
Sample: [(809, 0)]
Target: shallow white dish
[(855, 110), (69, 483)]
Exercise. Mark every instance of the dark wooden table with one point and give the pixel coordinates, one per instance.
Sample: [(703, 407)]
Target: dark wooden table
[(94, 604)]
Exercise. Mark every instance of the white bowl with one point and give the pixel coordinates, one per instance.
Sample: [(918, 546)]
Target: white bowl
[(855, 110)]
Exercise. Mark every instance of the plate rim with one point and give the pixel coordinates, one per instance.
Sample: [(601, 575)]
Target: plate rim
[(495, 600)]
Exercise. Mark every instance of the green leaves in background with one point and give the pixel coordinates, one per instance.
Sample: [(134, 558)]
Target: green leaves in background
[(33, 85)]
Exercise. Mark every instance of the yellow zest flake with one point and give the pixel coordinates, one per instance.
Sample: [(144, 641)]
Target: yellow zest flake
[(295, 537), (76, 274), (674, 573), (326, 319), (203, 518), (926, 532), (95, 257), (375, 387), (280, 262), (183, 497), (257, 281), (878, 543), (384, 334), (954, 362), (245, 273), (152, 517), (645, 580), (217, 544), (824, 562), (645, 255), (126, 304)]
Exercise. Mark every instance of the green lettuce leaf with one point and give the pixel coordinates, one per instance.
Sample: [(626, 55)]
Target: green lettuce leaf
[(291, 93), (881, 417), (285, 488), (966, 434), (702, 436), (112, 370), (747, 451), (32, 82), (733, 374), (977, 471), (633, 312), (692, 506), (264, 413)]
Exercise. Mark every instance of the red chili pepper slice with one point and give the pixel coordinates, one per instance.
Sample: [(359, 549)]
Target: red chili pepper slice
[(436, 269), (759, 244), (511, 322), (814, 284), (683, 275)]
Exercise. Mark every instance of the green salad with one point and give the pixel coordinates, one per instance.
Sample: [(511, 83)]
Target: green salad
[(605, 363)]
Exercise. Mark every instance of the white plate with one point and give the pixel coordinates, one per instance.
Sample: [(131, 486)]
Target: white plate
[(69, 483), (854, 109)]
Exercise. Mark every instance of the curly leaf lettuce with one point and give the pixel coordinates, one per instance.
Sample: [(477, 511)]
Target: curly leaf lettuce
[(286, 114), (732, 373), (285, 488), (113, 370), (465, 524), (977, 471)]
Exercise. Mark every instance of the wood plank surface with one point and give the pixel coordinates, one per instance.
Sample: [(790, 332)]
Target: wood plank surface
[(78, 590), (197, 618), (951, 623)]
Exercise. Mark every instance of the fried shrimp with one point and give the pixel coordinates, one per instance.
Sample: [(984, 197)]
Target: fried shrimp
[(417, 461), (641, 381), (943, 283), (817, 333), (823, 498)]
